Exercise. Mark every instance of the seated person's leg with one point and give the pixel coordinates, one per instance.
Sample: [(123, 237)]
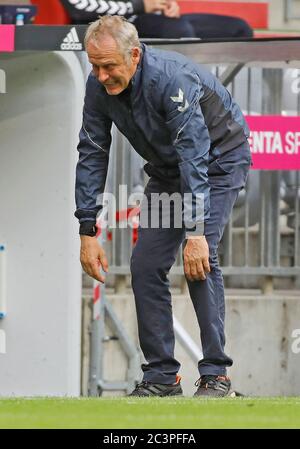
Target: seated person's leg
[(218, 26), (159, 26)]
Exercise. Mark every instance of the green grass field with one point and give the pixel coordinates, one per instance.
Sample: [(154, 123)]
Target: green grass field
[(156, 413)]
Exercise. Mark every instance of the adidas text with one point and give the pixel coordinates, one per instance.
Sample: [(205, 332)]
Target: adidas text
[(71, 41)]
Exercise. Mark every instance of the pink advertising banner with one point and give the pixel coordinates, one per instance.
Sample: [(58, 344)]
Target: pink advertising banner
[(274, 142), (7, 38)]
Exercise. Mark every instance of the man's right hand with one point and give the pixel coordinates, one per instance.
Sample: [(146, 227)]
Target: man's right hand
[(172, 9), (92, 257), (154, 5)]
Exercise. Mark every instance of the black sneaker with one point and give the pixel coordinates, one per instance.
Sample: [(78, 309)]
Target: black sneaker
[(213, 386), (152, 389)]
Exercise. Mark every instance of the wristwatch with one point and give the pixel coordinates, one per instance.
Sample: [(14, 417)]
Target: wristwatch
[(88, 228)]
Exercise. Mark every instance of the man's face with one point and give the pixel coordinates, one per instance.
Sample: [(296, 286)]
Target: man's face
[(109, 65)]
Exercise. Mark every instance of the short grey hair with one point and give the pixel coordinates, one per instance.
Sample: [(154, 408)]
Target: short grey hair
[(122, 31)]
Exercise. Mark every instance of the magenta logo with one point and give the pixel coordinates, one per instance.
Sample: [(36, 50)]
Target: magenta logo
[(7, 38), (274, 142)]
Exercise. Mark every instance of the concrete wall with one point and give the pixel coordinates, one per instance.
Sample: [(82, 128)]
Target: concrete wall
[(259, 339)]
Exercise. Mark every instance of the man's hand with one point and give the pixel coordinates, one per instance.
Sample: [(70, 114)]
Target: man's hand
[(172, 9), (196, 258), (92, 257), (154, 5)]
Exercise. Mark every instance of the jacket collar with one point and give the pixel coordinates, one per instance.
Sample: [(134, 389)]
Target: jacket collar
[(136, 79)]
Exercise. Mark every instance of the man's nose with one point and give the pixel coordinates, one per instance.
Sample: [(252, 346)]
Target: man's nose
[(102, 75)]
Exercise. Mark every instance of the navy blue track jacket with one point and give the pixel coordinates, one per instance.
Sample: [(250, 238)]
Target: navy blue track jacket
[(175, 113)]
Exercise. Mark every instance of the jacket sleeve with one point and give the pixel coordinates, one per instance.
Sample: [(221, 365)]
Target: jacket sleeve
[(85, 11), (93, 147), (190, 137)]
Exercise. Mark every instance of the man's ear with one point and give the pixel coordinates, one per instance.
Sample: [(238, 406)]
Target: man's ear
[(135, 55)]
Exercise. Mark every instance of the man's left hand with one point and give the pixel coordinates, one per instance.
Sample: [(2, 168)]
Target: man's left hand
[(196, 258)]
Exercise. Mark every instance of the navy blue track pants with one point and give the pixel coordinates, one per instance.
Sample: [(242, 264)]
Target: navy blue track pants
[(155, 253)]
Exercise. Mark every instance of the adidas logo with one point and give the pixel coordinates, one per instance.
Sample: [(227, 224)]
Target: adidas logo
[(71, 41)]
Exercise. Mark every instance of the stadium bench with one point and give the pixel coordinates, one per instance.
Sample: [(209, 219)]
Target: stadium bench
[(256, 14)]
